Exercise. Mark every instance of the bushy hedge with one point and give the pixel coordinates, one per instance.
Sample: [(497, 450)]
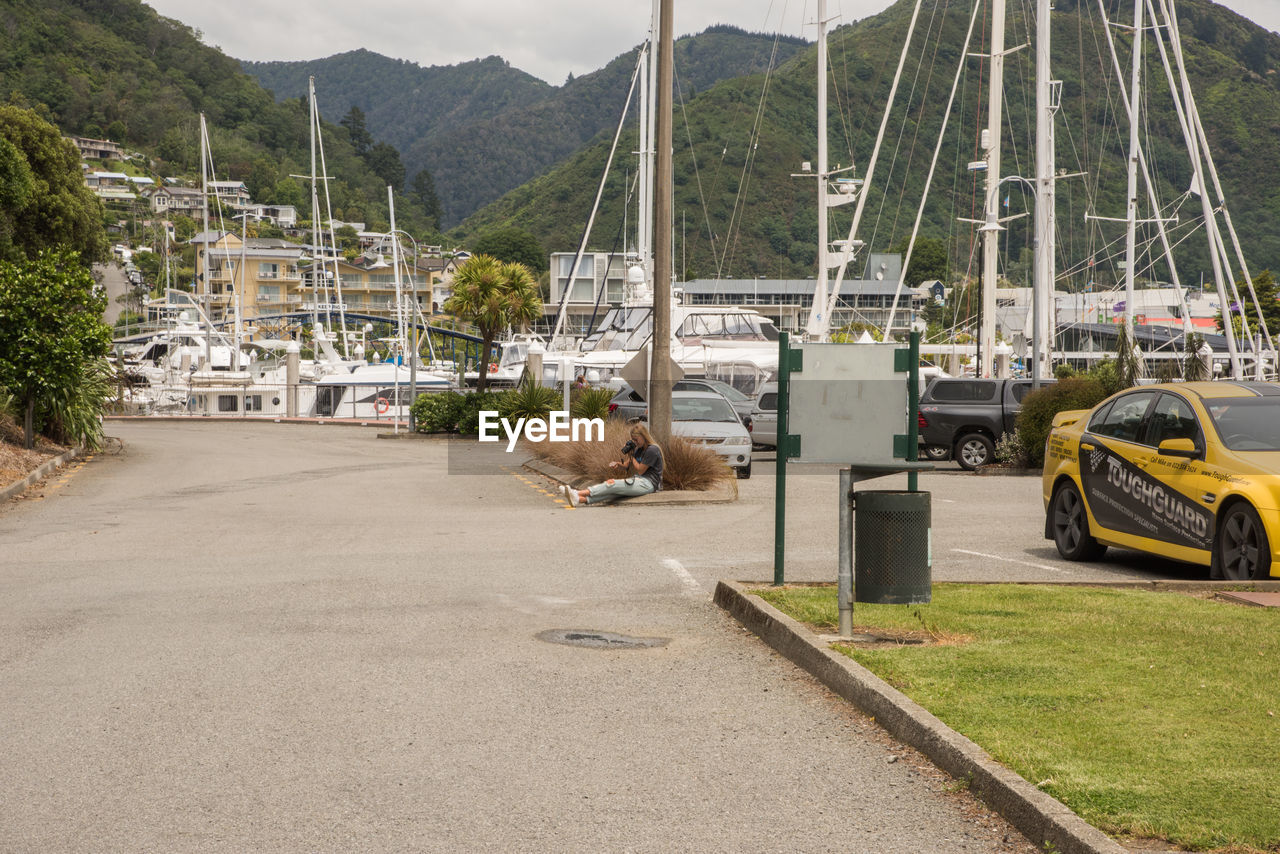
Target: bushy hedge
[(1039, 408), (454, 412), (438, 412)]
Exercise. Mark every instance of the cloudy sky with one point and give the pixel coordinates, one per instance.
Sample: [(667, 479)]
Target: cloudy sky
[(547, 38)]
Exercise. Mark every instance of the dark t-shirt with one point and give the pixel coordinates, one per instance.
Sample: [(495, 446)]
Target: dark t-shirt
[(651, 456)]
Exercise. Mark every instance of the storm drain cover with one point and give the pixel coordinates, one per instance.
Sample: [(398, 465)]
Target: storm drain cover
[(599, 640)]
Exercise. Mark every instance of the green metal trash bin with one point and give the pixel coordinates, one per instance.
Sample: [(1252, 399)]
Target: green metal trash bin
[(892, 548)]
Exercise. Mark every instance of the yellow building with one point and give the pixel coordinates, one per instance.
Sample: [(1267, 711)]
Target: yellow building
[(280, 277), (271, 282)]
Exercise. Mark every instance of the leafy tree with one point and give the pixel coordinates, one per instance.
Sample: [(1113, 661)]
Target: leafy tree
[(15, 189), (930, 260), (361, 139), (59, 210), (493, 295), (513, 244), (384, 161), (52, 299), (1264, 285)]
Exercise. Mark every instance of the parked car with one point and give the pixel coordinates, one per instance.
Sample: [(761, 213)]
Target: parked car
[(1188, 471), (707, 418), (964, 418), (764, 416), (628, 403)]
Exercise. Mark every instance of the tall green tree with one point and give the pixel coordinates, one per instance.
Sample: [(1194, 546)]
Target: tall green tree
[(513, 244), (15, 190), (51, 314), (424, 191), (58, 210), (357, 131), (493, 295), (384, 161), (929, 261)]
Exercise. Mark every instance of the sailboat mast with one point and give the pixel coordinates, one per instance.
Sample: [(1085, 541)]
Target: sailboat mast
[(1135, 104), (824, 240), (1046, 190), (644, 221), (204, 202), (991, 229), (317, 265), (395, 263)]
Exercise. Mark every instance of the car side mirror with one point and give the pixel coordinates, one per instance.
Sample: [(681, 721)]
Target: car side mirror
[(1178, 448)]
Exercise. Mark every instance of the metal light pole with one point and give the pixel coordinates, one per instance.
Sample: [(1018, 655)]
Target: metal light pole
[(413, 358)]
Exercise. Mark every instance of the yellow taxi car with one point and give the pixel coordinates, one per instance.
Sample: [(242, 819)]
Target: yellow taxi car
[(1188, 471)]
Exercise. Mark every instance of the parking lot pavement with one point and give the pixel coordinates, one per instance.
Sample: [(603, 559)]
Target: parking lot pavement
[(269, 637), (986, 527)]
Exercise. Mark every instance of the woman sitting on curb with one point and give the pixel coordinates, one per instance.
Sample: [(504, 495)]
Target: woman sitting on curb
[(641, 455)]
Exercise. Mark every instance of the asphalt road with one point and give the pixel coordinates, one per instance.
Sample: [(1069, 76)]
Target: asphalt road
[(230, 637)]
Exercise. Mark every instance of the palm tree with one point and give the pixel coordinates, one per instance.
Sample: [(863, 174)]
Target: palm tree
[(493, 295)]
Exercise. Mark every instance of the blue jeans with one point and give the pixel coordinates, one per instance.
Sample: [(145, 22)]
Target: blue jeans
[(619, 489)]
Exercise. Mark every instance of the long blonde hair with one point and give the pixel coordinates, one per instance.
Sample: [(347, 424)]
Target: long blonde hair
[(643, 432)]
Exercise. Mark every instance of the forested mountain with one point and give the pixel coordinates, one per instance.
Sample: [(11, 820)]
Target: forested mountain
[(116, 69), (740, 213), (482, 128)]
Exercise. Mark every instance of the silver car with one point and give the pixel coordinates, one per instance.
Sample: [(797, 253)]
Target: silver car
[(708, 419)]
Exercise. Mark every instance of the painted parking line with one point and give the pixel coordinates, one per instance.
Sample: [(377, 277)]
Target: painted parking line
[(63, 477), (690, 583), (539, 488), (1025, 563)]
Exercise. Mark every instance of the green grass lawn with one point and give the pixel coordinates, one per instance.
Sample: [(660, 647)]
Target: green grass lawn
[(1149, 714)]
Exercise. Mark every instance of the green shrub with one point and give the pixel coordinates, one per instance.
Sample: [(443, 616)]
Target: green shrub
[(73, 415), (1039, 408), (529, 400), (438, 412), (468, 422), (1107, 372), (591, 403)]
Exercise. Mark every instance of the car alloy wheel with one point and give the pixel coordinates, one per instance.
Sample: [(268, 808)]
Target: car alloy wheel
[(1071, 526), (1243, 551), (974, 451)]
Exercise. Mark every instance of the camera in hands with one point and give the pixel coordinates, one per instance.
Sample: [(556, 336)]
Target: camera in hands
[(629, 448)]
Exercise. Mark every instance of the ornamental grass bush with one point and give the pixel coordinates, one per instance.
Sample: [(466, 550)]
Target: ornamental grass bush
[(686, 465), (591, 403), (1039, 407), (529, 400)]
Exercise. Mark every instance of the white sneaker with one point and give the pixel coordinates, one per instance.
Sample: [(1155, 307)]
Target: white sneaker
[(571, 495)]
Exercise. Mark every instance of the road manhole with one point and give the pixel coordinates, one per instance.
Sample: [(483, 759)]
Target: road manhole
[(593, 639)]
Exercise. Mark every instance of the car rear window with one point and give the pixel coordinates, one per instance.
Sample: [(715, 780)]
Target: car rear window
[(769, 400), (964, 390)]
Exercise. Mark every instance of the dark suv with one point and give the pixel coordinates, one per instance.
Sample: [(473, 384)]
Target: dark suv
[(966, 417)]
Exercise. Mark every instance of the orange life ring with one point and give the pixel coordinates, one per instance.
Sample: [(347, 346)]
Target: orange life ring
[(493, 367), (381, 405)]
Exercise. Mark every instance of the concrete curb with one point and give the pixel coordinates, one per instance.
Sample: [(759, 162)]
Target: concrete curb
[(42, 471), (667, 498), (1042, 819), (266, 419)]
